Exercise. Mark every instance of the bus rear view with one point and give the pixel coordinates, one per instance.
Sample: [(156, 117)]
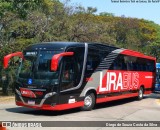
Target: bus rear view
[(64, 75)]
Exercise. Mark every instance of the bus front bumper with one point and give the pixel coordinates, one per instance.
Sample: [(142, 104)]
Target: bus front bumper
[(44, 103)]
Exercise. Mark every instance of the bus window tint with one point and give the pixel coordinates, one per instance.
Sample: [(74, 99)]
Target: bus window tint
[(93, 60), (45, 60), (131, 63), (68, 73), (78, 63), (119, 63)]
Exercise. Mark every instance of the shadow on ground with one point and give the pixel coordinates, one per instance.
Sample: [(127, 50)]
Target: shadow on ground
[(24, 110)]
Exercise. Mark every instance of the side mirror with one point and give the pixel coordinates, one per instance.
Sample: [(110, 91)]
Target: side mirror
[(7, 58), (55, 59)]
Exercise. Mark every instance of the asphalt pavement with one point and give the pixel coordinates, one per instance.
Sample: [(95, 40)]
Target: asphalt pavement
[(147, 110)]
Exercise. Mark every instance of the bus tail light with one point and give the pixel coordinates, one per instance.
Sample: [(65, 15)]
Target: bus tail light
[(55, 59)]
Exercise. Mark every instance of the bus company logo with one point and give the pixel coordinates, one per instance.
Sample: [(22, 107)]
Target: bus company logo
[(27, 93), (113, 81), (24, 92)]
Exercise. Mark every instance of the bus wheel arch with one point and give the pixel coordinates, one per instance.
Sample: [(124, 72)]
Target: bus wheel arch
[(141, 92), (89, 100)]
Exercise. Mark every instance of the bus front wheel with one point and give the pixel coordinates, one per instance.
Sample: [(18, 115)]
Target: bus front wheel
[(140, 93), (89, 102)]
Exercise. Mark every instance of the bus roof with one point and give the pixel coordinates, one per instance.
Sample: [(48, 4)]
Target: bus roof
[(49, 45), (63, 45), (137, 54), (53, 45)]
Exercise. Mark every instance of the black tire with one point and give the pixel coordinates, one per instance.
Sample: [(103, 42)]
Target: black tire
[(89, 102), (140, 93)]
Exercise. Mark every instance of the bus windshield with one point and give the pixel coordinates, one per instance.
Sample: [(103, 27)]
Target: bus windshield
[(37, 66)]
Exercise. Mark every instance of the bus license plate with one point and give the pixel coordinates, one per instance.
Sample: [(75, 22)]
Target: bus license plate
[(31, 102)]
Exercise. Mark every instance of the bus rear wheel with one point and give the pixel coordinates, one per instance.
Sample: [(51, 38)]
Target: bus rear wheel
[(89, 102), (140, 93)]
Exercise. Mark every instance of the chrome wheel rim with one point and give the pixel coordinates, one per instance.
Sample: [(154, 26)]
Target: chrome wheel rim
[(88, 101), (140, 93)]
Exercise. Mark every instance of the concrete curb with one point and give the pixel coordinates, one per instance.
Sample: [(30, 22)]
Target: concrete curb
[(6, 98)]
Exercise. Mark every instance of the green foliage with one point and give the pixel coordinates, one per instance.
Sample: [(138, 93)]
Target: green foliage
[(27, 22), (4, 7)]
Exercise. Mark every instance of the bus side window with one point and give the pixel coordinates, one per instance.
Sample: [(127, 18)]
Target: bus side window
[(119, 63), (78, 63), (72, 68), (93, 60)]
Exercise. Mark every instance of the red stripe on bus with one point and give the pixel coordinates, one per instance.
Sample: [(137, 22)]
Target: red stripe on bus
[(136, 54), (100, 100), (56, 107)]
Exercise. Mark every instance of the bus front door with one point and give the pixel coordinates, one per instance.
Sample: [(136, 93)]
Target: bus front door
[(68, 77)]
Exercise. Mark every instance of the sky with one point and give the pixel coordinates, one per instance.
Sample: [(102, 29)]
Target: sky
[(132, 8)]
